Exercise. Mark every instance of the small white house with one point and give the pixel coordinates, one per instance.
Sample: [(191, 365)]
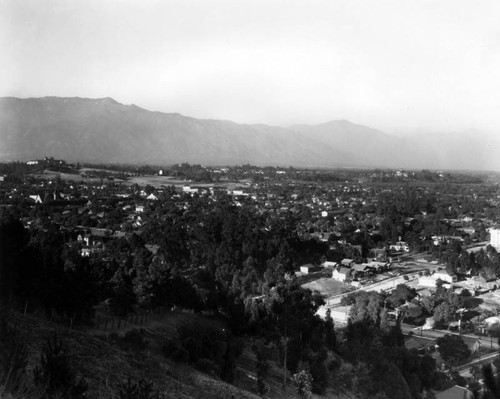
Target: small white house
[(400, 246), (308, 268), (36, 198), (347, 262), (341, 274), (445, 276)]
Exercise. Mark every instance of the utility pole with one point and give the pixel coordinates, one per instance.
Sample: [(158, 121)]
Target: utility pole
[(286, 348)]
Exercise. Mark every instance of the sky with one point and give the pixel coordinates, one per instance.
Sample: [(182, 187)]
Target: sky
[(402, 66)]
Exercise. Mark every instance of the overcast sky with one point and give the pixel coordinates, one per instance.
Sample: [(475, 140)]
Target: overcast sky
[(395, 65)]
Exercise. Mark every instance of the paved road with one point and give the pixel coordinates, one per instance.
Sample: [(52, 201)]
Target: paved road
[(477, 247), (464, 370), (485, 341)]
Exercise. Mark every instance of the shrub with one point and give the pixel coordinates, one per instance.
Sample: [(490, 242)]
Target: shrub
[(13, 360), (134, 340), (54, 375), (174, 351), (144, 389), (303, 383), (207, 366)]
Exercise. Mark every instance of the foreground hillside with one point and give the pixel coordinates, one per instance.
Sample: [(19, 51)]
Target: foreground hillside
[(107, 362)]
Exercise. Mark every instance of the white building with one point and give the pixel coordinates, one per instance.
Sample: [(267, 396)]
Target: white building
[(342, 274), (430, 281), (400, 246), (495, 238)]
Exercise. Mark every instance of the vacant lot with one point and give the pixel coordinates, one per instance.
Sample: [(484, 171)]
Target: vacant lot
[(328, 286)]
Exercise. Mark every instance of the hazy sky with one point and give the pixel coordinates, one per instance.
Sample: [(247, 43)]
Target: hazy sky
[(397, 65)]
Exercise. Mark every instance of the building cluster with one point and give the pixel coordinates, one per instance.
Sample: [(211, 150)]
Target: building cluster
[(343, 210)]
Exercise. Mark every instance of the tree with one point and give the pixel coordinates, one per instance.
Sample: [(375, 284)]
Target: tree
[(453, 349), (331, 339), (262, 371), (367, 307), (401, 294), (491, 382), (303, 383)]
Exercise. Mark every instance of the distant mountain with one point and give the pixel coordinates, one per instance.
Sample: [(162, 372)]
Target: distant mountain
[(367, 147), (103, 130)]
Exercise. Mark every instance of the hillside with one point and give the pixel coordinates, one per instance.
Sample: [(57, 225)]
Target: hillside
[(106, 131), (107, 361), (103, 130)]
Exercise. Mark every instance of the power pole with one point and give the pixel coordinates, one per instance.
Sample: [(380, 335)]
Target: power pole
[(285, 349)]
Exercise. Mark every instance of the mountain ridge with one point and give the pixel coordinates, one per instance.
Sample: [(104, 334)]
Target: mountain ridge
[(104, 130)]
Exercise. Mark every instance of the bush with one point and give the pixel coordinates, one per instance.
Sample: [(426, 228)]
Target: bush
[(207, 366), (55, 375), (13, 360), (134, 340), (141, 390), (174, 351), (204, 342), (303, 383)]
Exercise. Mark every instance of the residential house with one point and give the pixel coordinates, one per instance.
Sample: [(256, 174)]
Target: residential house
[(328, 263), (378, 267), (87, 251), (379, 254), (479, 283), (455, 392), (443, 275), (425, 292), (309, 268), (36, 198), (360, 269), (190, 190), (339, 314), (400, 246), (409, 309), (342, 274), (347, 262)]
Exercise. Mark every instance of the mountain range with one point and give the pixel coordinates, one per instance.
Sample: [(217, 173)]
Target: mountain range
[(105, 131)]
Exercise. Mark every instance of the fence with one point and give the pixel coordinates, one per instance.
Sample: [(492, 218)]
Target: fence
[(136, 319)]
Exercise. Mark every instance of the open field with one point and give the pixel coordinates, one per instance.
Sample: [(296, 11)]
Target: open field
[(159, 181), (328, 286), (152, 180)]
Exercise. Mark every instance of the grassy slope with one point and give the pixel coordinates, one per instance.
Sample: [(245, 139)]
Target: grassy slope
[(106, 364)]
